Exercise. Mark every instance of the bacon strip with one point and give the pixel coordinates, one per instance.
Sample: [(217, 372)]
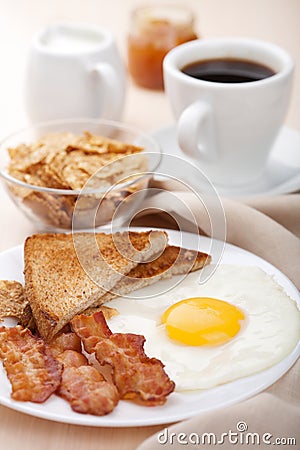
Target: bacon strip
[(82, 385), (135, 375), (65, 341), (30, 366)]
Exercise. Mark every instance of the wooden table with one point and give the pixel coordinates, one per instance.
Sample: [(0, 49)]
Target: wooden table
[(274, 20)]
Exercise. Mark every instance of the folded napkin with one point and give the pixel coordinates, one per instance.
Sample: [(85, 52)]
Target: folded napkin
[(270, 228)]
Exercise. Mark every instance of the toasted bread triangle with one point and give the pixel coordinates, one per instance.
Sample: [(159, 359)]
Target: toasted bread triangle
[(173, 261), (58, 287)]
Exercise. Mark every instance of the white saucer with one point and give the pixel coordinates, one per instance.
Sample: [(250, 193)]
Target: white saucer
[(282, 174)]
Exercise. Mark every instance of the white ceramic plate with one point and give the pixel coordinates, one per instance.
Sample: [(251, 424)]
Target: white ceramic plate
[(281, 175), (179, 406)]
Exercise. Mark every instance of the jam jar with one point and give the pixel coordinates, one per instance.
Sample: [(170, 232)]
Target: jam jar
[(154, 30)]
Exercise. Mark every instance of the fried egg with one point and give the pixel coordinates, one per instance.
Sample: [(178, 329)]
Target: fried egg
[(238, 323)]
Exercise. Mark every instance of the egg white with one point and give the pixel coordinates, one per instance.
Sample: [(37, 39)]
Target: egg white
[(269, 333)]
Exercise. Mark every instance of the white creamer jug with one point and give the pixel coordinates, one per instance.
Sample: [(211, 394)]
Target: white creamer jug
[(74, 71)]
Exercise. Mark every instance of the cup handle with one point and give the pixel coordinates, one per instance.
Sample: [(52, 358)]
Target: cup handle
[(196, 134), (109, 89)]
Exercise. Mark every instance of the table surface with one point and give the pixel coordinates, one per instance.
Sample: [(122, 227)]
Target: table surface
[(273, 20)]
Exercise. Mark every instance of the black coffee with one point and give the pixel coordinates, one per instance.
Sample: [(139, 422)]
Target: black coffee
[(228, 70)]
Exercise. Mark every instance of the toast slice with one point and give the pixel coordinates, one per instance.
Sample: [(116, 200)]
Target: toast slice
[(173, 261), (12, 299), (58, 286)]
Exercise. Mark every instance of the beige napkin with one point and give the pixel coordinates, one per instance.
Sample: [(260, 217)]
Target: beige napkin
[(270, 228)]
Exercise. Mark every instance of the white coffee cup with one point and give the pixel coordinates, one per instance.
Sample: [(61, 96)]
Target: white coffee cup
[(74, 71), (228, 128)]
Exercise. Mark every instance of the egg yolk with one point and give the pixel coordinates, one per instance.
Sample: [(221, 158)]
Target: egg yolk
[(202, 321)]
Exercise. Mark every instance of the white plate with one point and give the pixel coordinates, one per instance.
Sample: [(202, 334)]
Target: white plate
[(281, 176), (179, 405)]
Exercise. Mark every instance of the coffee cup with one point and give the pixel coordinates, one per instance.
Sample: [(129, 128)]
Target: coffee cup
[(74, 71), (230, 97)]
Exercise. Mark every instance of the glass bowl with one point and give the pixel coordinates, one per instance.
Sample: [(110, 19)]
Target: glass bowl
[(93, 205)]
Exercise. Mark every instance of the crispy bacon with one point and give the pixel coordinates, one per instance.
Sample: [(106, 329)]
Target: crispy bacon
[(84, 387), (135, 375), (30, 366), (90, 330), (65, 341)]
